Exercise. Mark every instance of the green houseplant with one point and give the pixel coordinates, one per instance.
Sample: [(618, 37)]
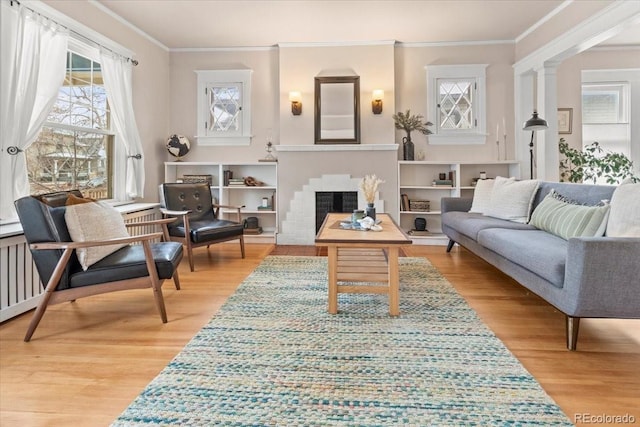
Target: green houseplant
[(593, 162), (409, 123)]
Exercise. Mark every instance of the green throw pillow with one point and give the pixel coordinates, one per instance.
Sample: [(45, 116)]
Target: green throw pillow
[(565, 219)]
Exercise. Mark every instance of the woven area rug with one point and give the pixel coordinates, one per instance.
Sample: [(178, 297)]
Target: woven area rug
[(273, 355)]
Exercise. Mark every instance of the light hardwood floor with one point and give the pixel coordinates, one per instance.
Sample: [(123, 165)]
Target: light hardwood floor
[(89, 359)]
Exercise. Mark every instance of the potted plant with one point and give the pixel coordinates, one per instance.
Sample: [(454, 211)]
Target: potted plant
[(409, 123), (593, 162)]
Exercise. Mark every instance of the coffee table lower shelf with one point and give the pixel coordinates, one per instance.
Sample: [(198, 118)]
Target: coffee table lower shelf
[(370, 265)]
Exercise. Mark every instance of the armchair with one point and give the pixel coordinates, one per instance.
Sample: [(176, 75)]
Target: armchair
[(143, 265), (198, 223)]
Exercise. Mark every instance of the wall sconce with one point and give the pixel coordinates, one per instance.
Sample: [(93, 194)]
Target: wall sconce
[(296, 103), (376, 103)]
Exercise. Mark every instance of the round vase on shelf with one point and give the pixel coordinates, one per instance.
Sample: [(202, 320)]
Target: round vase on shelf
[(420, 224), (407, 148), (370, 211)]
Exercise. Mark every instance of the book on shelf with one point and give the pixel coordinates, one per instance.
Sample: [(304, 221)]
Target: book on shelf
[(253, 230), (265, 208), (404, 202), (442, 182)]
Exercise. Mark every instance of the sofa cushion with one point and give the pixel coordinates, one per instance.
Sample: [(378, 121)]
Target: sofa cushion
[(559, 216), (511, 199), (92, 222), (470, 224), (624, 219), (482, 196), (538, 251)]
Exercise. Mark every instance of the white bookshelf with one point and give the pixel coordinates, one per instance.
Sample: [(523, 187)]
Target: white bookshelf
[(248, 196), (415, 179)]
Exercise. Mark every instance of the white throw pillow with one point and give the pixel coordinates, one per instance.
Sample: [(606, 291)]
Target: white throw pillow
[(94, 221), (482, 196), (511, 199), (624, 217)]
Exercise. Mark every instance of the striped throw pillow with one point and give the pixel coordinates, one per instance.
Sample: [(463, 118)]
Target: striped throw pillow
[(559, 216)]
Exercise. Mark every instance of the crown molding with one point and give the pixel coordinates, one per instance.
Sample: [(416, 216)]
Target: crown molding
[(91, 35), (451, 43), (610, 21), (223, 49), (128, 24), (544, 19), (337, 43)]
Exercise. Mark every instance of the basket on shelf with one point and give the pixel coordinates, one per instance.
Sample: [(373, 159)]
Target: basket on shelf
[(419, 205), (192, 179)]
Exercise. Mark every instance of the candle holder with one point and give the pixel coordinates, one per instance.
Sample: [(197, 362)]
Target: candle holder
[(269, 157), (505, 146)]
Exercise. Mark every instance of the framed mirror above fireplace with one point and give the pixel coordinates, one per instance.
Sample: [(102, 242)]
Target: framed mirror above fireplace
[(337, 110)]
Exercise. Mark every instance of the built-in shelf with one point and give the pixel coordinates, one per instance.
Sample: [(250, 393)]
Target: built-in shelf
[(251, 197), (415, 179)]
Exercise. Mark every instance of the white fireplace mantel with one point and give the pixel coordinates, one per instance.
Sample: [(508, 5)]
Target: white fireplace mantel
[(337, 147)]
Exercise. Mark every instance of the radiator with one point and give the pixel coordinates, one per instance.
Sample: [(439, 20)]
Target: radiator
[(20, 287)]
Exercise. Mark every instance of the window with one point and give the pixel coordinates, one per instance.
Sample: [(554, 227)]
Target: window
[(456, 103), (605, 116), (75, 146), (224, 107), (605, 103)]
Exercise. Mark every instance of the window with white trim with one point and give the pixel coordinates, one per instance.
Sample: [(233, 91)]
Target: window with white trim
[(75, 147), (605, 116), (456, 103), (224, 107)]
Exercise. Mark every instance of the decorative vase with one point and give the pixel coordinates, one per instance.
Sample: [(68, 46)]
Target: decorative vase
[(370, 211), (420, 224), (407, 148)]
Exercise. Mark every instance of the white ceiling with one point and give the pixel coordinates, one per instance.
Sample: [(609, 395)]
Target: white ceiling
[(182, 24)]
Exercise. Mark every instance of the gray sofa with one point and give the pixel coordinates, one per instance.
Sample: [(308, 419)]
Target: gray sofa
[(596, 277)]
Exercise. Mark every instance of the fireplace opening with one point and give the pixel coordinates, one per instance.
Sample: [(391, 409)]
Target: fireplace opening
[(334, 201)]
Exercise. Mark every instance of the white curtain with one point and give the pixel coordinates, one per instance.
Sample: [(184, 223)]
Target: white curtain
[(117, 76), (31, 73)]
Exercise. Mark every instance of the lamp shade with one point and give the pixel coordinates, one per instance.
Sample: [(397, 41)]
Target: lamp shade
[(295, 96), (535, 123)]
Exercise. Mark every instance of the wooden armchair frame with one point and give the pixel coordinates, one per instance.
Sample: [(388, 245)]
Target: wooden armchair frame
[(42, 234)]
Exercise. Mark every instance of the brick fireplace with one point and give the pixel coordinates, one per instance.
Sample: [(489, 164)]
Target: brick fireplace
[(306, 170)]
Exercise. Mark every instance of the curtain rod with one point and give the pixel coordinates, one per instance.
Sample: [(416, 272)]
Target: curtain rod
[(134, 62)]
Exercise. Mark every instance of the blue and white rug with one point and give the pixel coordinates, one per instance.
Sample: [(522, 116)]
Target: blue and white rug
[(273, 356)]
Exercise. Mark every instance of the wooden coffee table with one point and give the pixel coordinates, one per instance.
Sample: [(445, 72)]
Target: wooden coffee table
[(362, 256)]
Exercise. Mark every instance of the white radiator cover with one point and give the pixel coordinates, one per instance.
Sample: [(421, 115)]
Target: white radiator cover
[(20, 287)]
